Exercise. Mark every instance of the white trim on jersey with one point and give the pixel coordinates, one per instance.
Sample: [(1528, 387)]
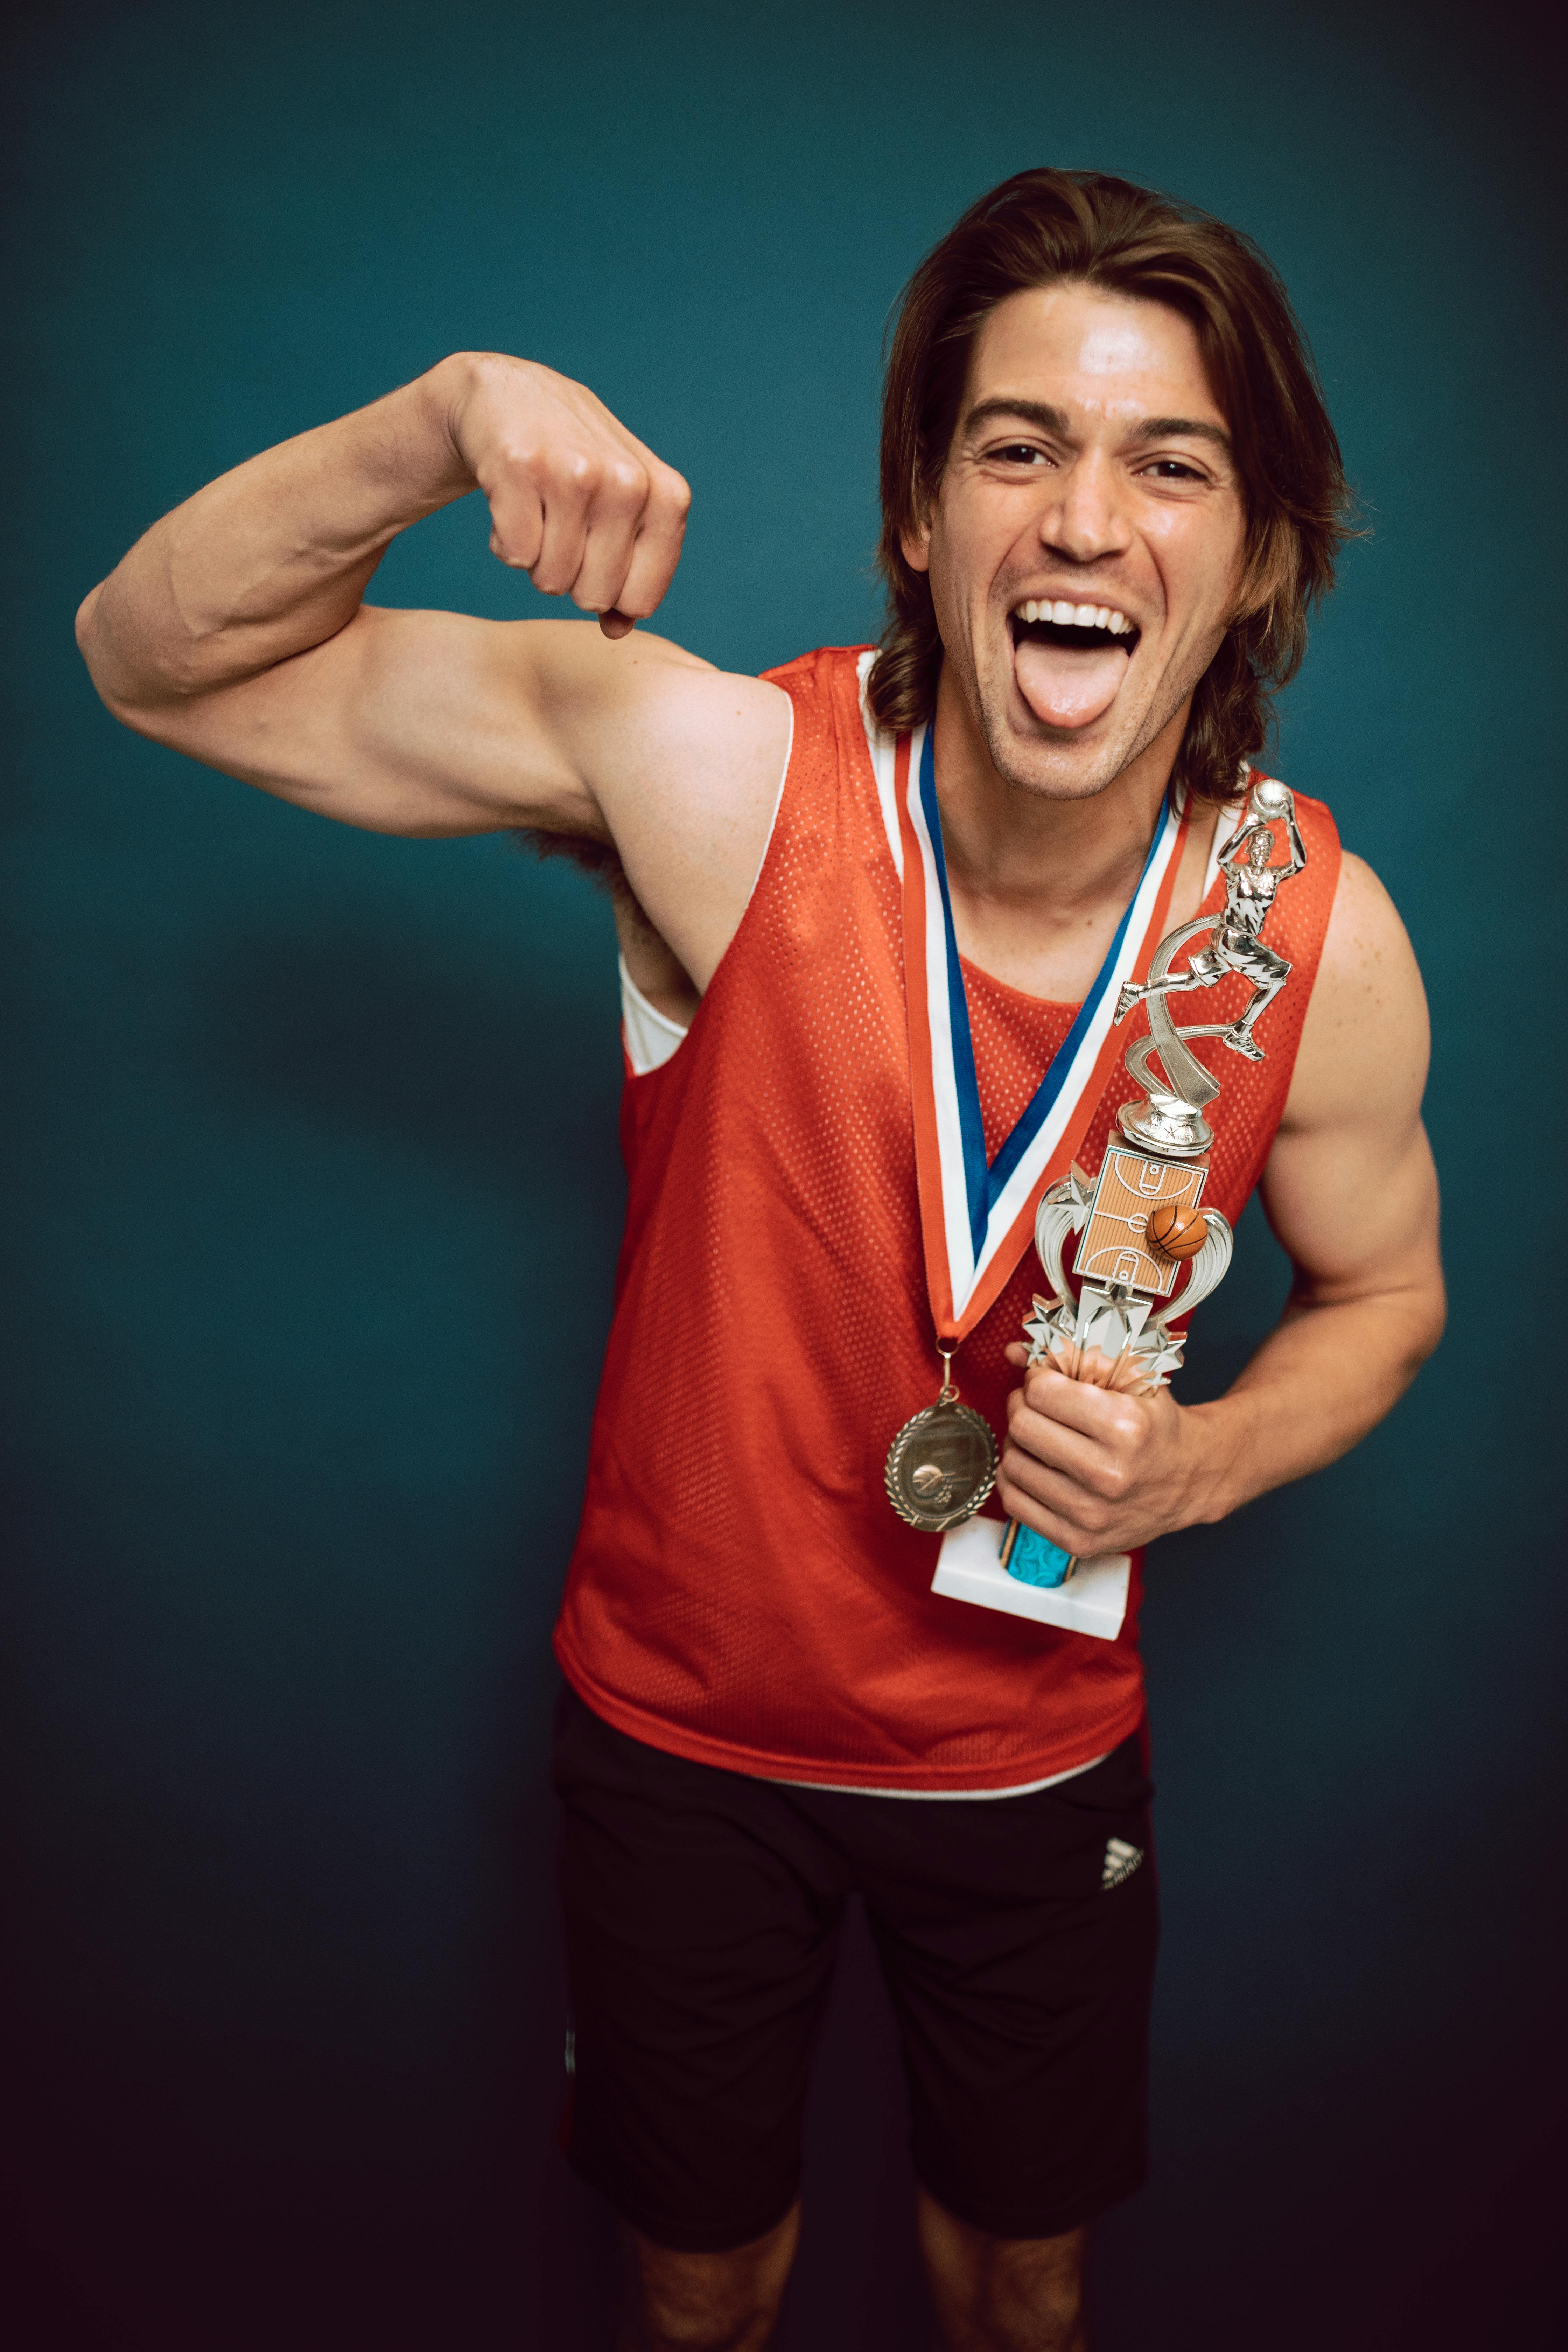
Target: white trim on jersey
[(883, 749), (651, 1035)]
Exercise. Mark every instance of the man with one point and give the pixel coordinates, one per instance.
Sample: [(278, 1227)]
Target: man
[(1110, 492)]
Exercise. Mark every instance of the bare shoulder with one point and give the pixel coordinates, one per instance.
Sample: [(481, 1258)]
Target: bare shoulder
[(1365, 1044), (684, 764), (637, 696)]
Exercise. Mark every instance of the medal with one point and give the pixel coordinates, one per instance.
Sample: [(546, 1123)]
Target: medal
[(977, 1216), (943, 1465)]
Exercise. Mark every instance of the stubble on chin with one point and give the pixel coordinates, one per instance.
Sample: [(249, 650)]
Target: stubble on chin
[(1053, 767)]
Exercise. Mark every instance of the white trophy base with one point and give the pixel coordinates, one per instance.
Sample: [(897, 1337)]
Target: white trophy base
[(1092, 1600)]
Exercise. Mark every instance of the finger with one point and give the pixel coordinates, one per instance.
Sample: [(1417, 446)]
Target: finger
[(1059, 1446), (1048, 1489), (1089, 1513), (1091, 1521), (614, 516), (567, 492), (517, 522), (661, 533), (617, 625), (1108, 1415), (1057, 1518)]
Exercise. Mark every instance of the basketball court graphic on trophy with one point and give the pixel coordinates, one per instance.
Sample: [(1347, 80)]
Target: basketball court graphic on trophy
[(1115, 1246)]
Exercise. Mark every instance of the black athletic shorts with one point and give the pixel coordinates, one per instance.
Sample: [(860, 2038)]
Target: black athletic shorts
[(1016, 1935)]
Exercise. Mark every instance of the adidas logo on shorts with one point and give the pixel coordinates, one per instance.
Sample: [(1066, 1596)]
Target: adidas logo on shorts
[(1120, 1860)]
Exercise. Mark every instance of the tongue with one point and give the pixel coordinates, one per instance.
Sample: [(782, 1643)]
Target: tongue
[(1069, 689)]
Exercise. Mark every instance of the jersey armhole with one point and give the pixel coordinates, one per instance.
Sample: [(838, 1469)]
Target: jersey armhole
[(651, 1036)]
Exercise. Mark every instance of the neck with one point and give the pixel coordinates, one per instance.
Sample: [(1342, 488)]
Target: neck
[(1038, 885), (1007, 843)]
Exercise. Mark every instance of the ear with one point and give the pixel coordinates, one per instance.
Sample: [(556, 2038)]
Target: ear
[(914, 545)]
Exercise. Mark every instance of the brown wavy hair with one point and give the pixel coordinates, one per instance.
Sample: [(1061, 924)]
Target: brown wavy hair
[(1040, 228)]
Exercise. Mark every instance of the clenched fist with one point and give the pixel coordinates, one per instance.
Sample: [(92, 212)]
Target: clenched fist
[(1100, 1472), (576, 500)]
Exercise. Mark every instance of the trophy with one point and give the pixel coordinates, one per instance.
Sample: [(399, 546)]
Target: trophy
[(1140, 1223)]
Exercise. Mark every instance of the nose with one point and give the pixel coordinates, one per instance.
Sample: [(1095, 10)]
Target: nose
[(1082, 517)]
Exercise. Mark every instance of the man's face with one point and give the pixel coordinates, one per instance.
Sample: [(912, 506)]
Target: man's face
[(1259, 850), (1091, 473)]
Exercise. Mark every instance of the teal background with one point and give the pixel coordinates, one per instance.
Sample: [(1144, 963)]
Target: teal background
[(313, 1186)]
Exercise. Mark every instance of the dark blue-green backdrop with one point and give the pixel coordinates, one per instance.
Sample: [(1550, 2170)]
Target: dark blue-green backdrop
[(313, 1186)]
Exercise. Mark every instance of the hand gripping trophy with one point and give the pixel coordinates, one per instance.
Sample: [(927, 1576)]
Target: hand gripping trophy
[(1138, 1223)]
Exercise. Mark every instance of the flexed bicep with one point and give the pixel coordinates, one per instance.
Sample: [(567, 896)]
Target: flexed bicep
[(418, 723)]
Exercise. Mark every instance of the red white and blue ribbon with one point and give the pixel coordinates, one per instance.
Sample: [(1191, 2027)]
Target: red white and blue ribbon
[(978, 1217)]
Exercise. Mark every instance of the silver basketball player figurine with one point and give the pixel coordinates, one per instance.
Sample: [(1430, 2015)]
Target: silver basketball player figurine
[(1251, 883)]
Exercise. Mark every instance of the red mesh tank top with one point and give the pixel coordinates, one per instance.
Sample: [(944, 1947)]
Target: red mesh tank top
[(740, 1591)]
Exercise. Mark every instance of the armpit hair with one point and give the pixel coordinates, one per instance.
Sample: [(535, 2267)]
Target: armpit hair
[(598, 859)]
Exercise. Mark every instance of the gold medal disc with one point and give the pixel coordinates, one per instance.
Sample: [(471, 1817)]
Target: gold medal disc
[(940, 1468)]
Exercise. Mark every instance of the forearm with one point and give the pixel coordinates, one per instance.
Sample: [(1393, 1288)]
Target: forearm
[(273, 558), (1325, 1376)]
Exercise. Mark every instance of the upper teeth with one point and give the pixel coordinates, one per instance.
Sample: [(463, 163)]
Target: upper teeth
[(1077, 617)]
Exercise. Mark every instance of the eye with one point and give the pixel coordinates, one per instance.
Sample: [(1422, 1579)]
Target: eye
[(1173, 469), (1017, 453)]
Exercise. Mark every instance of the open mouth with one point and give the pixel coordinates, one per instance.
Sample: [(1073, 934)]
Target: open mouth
[(1070, 659)]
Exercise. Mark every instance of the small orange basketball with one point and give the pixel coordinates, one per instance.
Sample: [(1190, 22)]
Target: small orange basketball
[(1177, 1231)]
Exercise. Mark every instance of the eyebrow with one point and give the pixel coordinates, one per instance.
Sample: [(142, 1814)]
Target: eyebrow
[(1170, 429), (1047, 419), (1032, 412)]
